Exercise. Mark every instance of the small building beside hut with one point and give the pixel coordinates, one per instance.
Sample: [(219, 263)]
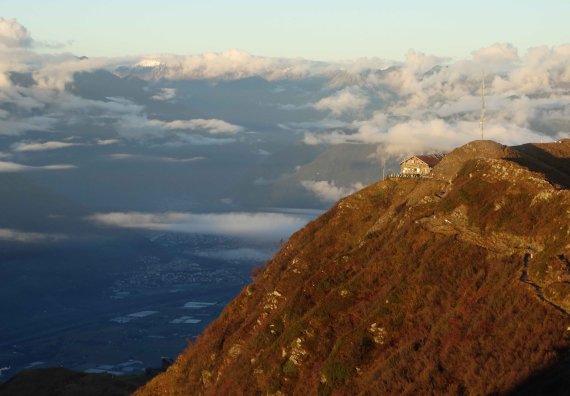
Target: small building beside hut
[(419, 165)]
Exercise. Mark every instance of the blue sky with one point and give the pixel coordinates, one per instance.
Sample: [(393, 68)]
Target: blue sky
[(318, 29)]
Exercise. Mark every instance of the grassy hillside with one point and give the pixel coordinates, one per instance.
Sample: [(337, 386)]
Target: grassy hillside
[(456, 284)]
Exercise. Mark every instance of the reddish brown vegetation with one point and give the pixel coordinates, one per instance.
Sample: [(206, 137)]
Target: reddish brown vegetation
[(401, 288)]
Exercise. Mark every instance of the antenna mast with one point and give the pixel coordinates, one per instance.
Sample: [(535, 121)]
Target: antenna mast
[(483, 107)]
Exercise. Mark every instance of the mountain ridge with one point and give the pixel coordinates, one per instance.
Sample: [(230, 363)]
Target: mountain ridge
[(453, 284)]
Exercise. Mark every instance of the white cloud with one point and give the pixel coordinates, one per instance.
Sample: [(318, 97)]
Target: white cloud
[(430, 104), (233, 64), (106, 142), (346, 100), (425, 91), (11, 235), (237, 64), (34, 123), (329, 191), (426, 136), (267, 226), (211, 126), (6, 167), (27, 146), (197, 140), (37, 146), (498, 53), (423, 136), (542, 71), (368, 131), (54, 72), (178, 132), (165, 94), (13, 35), (419, 63), (123, 156)]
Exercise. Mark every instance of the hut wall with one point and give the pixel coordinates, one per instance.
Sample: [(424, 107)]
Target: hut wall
[(414, 166)]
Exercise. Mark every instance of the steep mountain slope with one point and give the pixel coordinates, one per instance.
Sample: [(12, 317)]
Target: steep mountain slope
[(456, 284)]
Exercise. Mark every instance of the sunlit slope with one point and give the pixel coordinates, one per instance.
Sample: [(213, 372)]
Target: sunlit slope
[(456, 284)]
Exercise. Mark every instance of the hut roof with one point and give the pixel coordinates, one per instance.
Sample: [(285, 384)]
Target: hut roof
[(430, 159)]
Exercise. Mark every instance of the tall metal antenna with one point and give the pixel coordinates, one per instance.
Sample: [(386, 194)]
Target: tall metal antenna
[(483, 106)]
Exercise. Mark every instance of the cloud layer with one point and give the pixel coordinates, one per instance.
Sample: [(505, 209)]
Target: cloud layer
[(42, 146), (125, 156), (431, 104), (422, 104), (7, 167), (7, 234), (343, 101), (211, 126), (136, 126), (231, 65), (13, 35), (263, 226), (328, 191)]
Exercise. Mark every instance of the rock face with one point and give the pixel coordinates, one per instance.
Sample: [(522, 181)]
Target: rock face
[(455, 284)]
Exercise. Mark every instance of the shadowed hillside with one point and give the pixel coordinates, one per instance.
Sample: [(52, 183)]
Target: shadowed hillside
[(457, 284), (550, 159), (63, 382)]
